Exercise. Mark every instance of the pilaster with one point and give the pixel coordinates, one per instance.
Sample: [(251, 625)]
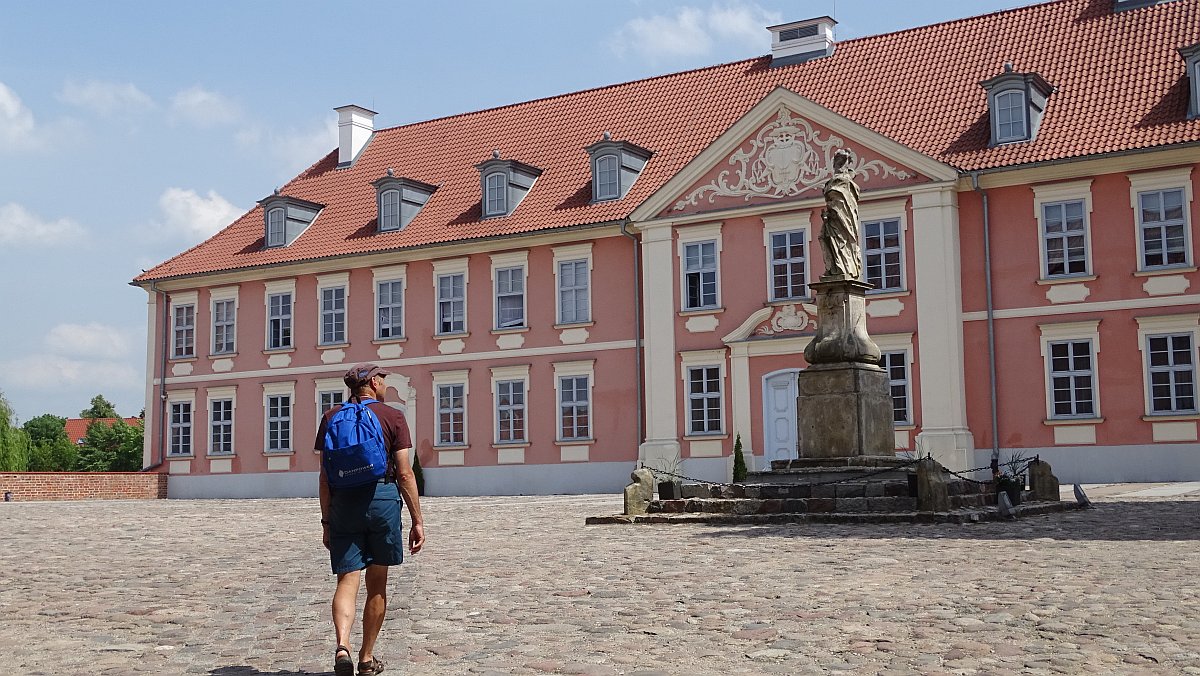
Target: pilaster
[(661, 448)]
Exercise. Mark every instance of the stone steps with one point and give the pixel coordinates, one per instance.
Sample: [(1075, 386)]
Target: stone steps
[(959, 516), (847, 505)]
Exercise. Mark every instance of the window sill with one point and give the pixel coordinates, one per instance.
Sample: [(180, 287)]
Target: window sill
[(273, 454), (279, 350), (1052, 422), (515, 329), (1075, 279), (1154, 272), (575, 442), (223, 355), (451, 336), (701, 311), (510, 444), (887, 293), (451, 447), (802, 300), (388, 341), (1170, 417), (182, 360), (218, 456), (333, 346), (574, 325), (710, 436), (189, 456), (904, 427)]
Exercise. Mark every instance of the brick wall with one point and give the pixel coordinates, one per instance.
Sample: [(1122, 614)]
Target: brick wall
[(26, 486)]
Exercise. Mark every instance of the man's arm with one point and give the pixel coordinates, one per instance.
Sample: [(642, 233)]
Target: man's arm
[(408, 489), (323, 496)]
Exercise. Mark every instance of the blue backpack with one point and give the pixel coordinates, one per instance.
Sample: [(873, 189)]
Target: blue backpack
[(355, 453)]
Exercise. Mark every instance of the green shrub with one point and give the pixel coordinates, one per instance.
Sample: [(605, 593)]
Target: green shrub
[(739, 461)]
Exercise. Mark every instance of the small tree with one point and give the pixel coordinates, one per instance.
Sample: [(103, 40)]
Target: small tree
[(51, 450), (100, 408), (739, 461), (111, 448), (14, 442)]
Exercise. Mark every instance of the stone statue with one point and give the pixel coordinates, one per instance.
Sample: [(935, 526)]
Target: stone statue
[(839, 222)]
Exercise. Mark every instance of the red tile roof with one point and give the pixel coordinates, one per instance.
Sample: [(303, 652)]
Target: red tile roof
[(1121, 86), (77, 427)]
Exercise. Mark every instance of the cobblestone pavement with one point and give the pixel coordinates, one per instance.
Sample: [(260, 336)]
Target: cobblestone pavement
[(521, 586)]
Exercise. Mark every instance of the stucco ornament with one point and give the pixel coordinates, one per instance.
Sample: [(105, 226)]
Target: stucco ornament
[(789, 318), (785, 158)]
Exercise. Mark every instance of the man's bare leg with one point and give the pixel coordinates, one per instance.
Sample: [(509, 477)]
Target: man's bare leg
[(345, 597), (374, 610)]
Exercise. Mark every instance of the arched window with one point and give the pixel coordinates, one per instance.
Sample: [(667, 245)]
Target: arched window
[(495, 202), (276, 234), (608, 178), (1010, 117), (389, 210)]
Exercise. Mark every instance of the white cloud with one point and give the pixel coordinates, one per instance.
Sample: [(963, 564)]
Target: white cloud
[(106, 98), (19, 226), (194, 217), (204, 108), (694, 32), (93, 340), (293, 149), (17, 127)]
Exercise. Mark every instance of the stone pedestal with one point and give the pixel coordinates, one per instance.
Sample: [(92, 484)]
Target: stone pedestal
[(844, 410), (841, 323)]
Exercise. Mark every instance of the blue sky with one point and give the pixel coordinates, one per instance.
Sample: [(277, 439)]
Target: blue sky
[(130, 131)]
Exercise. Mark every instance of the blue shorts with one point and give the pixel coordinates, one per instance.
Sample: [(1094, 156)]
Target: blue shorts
[(364, 527)]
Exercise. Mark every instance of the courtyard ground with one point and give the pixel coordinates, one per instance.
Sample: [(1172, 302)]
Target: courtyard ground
[(518, 585)]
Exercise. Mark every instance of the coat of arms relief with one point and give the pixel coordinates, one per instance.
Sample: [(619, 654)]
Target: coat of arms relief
[(790, 317), (786, 158)]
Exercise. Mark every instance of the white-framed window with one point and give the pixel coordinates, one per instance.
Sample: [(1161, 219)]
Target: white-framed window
[(333, 315), (389, 210), (279, 299), (276, 227), (390, 284), (450, 287), (510, 298), (224, 320), (510, 411), (181, 405), (329, 393), (896, 365), (495, 194), (1169, 348), (277, 405), (572, 280), (1063, 212), (1161, 202), (703, 375), (1010, 110), (183, 329), (700, 275), (450, 391), (573, 383), (221, 404), (883, 260), (1069, 351), (789, 265), (608, 177)]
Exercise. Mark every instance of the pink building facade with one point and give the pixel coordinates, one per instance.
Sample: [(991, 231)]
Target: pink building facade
[(637, 292)]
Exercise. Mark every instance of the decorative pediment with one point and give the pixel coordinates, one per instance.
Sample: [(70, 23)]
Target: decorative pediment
[(788, 157), (782, 150), (789, 318)]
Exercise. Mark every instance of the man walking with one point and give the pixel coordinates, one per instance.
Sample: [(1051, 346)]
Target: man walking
[(361, 524)]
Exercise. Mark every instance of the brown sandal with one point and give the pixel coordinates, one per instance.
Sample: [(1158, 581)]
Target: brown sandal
[(375, 666), (343, 665)]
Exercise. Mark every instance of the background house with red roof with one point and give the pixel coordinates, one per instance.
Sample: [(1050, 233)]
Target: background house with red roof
[(77, 428), (568, 286)]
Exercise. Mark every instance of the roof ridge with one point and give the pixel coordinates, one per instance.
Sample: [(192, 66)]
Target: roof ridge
[(964, 19)]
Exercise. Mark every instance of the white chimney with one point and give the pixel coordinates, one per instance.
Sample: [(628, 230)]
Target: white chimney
[(801, 40), (355, 126)]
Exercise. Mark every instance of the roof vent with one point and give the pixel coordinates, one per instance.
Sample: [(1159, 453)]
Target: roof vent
[(355, 127), (801, 41), (1122, 5)]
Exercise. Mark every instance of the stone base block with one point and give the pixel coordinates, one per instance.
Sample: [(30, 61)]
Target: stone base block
[(844, 410)]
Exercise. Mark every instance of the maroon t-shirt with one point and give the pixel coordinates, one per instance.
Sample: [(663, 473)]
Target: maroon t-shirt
[(395, 431)]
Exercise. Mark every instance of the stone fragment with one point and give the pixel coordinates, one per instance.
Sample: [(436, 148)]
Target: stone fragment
[(931, 487), (639, 493), (1042, 481)]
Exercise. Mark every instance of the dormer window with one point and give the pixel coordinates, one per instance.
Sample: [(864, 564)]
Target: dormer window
[(1191, 55), (615, 166), (504, 184), (399, 200), (286, 218), (1015, 102)]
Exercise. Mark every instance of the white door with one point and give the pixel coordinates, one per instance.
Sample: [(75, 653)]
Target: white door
[(779, 416)]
